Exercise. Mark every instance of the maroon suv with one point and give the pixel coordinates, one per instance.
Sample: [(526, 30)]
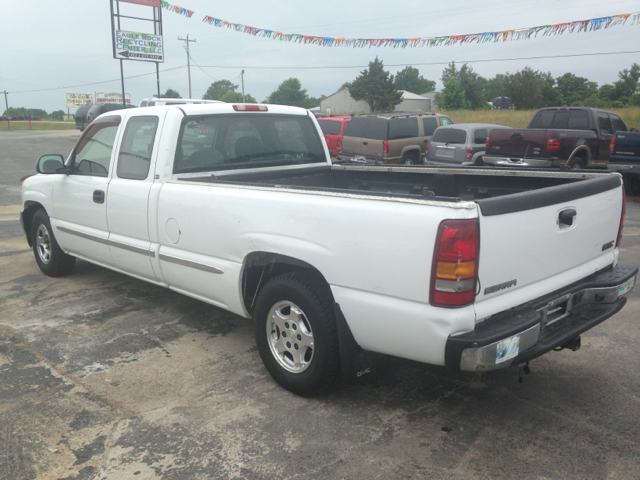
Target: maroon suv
[(333, 128)]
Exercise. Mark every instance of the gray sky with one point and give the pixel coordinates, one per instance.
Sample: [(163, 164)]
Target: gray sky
[(63, 43)]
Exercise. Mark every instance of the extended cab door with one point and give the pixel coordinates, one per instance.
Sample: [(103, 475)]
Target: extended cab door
[(604, 139), (79, 216), (128, 196)]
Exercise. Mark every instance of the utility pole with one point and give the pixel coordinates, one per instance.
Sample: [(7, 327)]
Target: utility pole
[(242, 77), (186, 40), (5, 99)]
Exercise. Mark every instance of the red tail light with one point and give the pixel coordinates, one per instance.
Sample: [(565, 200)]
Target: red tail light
[(454, 271), (385, 146), (612, 145), (553, 144), (487, 143), (468, 155), (426, 149), (250, 108), (624, 211)]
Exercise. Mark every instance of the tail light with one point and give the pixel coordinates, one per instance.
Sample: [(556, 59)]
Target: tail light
[(553, 144), (454, 271), (426, 149), (624, 211), (468, 155), (250, 108), (487, 143), (385, 146), (612, 145)]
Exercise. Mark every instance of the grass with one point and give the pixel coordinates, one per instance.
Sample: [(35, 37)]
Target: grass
[(45, 125), (521, 118)]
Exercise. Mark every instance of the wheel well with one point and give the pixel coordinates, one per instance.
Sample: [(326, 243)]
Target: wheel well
[(581, 153), (260, 267), (413, 152), (30, 209)]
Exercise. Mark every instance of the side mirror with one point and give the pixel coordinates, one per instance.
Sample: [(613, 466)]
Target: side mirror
[(49, 164), (634, 130)]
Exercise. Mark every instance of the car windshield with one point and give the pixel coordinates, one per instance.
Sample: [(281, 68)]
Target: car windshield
[(246, 140), (330, 127)]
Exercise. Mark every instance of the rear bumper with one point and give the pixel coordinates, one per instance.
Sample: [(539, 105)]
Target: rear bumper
[(633, 168), (517, 162), (524, 333)]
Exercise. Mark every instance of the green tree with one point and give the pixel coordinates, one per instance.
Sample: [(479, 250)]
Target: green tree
[(573, 90), (217, 90), (170, 93), (409, 79), (236, 97), (627, 84), (57, 115), (289, 92), (375, 86), (453, 96), (530, 89), (472, 84)]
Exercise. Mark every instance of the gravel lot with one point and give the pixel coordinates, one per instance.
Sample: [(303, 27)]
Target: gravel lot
[(104, 376)]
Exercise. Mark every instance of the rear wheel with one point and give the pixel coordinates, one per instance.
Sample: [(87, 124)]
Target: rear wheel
[(49, 256), (296, 333), (577, 164), (410, 158)]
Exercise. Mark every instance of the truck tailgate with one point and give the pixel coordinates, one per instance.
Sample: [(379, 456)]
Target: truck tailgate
[(536, 242), (517, 143)]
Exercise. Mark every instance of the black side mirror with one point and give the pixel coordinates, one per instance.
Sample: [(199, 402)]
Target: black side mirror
[(49, 164), (635, 130)]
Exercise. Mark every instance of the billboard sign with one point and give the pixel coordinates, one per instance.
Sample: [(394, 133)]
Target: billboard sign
[(112, 97), (75, 100), (149, 3), (138, 46)]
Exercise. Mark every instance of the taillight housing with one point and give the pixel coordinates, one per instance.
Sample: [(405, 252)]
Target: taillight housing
[(553, 144), (385, 146), (468, 155), (426, 149), (612, 145), (454, 272), (624, 211), (487, 143)]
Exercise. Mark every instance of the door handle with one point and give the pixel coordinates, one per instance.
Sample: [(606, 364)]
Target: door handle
[(566, 217), (98, 196), (365, 143), (516, 135)]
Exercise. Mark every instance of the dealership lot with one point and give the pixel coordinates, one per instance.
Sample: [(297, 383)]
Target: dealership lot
[(104, 376)]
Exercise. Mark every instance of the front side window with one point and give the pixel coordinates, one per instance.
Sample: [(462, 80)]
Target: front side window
[(134, 157), (605, 123), (246, 140), (430, 125), (92, 154), (446, 121), (618, 124)]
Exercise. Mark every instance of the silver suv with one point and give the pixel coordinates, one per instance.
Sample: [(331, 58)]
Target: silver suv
[(459, 144)]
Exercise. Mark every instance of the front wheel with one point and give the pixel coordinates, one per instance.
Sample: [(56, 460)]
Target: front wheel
[(296, 333), (49, 256)]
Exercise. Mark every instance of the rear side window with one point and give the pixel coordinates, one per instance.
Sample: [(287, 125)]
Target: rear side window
[(618, 124), (403, 128), (605, 123), (430, 125), (134, 157), (329, 127), (566, 119), (480, 136), (450, 135), (376, 128), (355, 128), (143, 103)]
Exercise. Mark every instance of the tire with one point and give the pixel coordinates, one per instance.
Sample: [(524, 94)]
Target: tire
[(296, 333), (410, 159), (49, 256), (631, 184), (578, 164)]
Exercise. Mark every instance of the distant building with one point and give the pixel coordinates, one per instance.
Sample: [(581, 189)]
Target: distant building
[(433, 96), (341, 103)]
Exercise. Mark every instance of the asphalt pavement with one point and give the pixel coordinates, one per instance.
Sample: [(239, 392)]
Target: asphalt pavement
[(103, 376)]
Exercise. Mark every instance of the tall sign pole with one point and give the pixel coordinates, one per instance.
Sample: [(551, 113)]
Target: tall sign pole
[(6, 102), (186, 40), (242, 77)]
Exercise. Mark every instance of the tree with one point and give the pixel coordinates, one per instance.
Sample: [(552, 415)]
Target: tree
[(57, 115), (236, 97), (170, 93), (628, 83), (453, 96), (217, 89), (375, 86), (574, 90), (289, 92), (409, 79), (472, 84)]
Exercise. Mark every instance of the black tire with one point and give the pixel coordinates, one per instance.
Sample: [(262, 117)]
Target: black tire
[(302, 305), (577, 164), (631, 184), (49, 256), (410, 159)]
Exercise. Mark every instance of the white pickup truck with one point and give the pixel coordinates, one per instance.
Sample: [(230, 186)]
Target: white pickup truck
[(239, 206)]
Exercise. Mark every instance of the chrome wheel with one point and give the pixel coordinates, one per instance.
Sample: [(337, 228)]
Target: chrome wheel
[(290, 336), (43, 244)]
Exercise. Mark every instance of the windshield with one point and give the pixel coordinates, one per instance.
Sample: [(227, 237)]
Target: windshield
[(330, 127), (246, 140), (449, 135)]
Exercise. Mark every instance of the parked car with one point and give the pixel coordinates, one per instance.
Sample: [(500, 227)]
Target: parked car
[(81, 116), (333, 129), (460, 144), (390, 137), (560, 137), (155, 101), (451, 267), (624, 158)]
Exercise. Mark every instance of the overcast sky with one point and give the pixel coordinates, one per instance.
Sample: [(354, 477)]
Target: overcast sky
[(59, 44)]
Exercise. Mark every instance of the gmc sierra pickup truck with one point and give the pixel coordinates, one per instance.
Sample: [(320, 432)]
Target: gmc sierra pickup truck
[(563, 137), (239, 206)]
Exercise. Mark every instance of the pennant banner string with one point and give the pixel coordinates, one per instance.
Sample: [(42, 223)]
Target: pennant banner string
[(486, 37)]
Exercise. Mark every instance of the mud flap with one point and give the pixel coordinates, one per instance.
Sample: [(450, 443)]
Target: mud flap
[(356, 364)]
